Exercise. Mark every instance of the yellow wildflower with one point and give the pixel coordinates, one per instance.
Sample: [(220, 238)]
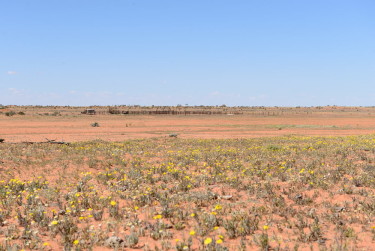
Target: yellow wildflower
[(207, 241), (218, 207)]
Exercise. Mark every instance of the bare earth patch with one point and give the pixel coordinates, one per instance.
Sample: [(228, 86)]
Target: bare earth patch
[(73, 126)]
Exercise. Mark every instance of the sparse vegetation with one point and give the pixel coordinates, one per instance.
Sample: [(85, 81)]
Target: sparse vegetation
[(190, 194), (10, 113)]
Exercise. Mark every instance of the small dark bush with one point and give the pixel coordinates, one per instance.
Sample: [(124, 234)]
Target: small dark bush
[(9, 114)]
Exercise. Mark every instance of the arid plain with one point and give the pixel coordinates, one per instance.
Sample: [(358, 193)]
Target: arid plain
[(206, 178), (67, 123)]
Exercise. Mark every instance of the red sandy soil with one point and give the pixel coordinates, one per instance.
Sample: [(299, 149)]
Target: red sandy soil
[(122, 127), (71, 128)]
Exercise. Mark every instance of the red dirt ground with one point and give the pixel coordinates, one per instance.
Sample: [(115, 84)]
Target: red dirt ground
[(121, 127), (73, 126)]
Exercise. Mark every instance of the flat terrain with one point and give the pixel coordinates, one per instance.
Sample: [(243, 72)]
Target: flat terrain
[(278, 193), (234, 179), (70, 125)]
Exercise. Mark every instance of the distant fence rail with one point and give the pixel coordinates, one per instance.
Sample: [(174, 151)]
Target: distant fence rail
[(173, 112), (168, 112)]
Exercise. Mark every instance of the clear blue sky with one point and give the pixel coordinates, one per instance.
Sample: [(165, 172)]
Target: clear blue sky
[(196, 52)]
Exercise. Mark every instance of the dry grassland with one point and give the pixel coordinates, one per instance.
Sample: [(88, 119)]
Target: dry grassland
[(220, 185)]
